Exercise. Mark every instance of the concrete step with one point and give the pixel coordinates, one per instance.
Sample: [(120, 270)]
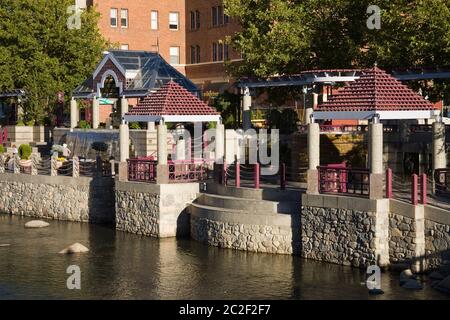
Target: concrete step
[(239, 216), (254, 194), (249, 205)]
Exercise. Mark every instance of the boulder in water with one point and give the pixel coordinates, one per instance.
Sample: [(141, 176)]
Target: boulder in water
[(412, 284), (36, 224), (74, 248), (405, 276)]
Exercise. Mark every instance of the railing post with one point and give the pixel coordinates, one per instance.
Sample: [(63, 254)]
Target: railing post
[(75, 167), (389, 183), (224, 173), (54, 165), (113, 168), (414, 191), (423, 189), (16, 164), (238, 174), (257, 175), (283, 176)]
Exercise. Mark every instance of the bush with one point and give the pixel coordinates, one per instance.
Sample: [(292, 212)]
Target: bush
[(30, 123), (20, 123), (57, 148), (25, 151), (83, 124), (135, 126), (2, 149)]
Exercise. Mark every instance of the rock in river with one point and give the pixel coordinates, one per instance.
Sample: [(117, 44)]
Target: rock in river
[(405, 276), (36, 224), (74, 248)]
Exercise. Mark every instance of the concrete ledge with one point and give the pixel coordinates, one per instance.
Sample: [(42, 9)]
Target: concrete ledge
[(57, 180), (437, 215), (402, 209), (343, 202), (139, 187)]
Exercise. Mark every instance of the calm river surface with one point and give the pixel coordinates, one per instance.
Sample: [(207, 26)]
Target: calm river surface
[(125, 266)]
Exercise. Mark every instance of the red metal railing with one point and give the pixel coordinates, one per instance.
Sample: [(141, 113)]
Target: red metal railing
[(187, 171), (347, 181), (3, 135), (142, 170)]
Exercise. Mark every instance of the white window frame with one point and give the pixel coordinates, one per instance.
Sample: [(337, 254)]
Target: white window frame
[(178, 49), (122, 11), (113, 16), (124, 47), (154, 20), (171, 22)]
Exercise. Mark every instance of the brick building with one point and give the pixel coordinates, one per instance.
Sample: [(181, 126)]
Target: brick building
[(189, 34)]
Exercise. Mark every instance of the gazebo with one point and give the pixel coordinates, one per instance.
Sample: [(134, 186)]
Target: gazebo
[(376, 96), (171, 103)]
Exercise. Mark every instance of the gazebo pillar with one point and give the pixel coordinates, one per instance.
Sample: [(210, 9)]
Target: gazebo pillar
[(439, 154), (162, 169), (220, 143), (74, 113), (95, 113), (123, 106), (124, 140), (376, 159), (313, 158), (150, 126), (246, 109)]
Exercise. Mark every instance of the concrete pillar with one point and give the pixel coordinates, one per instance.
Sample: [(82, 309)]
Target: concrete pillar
[(95, 113), (124, 140), (376, 160), (73, 113), (181, 149), (439, 154), (313, 158), (376, 148), (220, 143), (16, 164), (123, 106), (308, 113), (246, 110), (2, 163), (419, 263), (150, 126), (54, 164), (75, 167), (162, 144)]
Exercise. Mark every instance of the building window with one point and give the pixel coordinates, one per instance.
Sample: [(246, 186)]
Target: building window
[(124, 18), (226, 52), (198, 54), (124, 47), (154, 20), (192, 20), (174, 20), (214, 51), (197, 19), (193, 55), (113, 16), (220, 52), (218, 16), (174, 55)]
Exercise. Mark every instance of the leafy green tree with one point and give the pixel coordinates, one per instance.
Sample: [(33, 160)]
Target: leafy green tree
[(285, 37), (40, 54), (228, 104)]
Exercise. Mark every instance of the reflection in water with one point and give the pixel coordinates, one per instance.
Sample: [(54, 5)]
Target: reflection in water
[(125, 266)]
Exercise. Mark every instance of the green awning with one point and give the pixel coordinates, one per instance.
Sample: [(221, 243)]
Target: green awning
[(106, 101)]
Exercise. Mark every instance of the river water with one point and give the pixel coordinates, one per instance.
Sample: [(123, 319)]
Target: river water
[(126, 266)]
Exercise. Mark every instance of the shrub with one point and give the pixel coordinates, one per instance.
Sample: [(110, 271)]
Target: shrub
[(25, 151), (57, 148), (135, 125), (30, 123), (83, 124), (20, 123), (2, 149)]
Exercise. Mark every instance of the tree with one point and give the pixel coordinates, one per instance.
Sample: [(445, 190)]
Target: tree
[(40, 54), (286, 37), (228, 104)]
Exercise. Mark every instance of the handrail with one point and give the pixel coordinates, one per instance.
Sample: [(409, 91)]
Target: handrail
[(346, 181)]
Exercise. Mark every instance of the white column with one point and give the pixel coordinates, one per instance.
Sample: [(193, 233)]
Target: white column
[(376, 148), (123, 106), (220, 143), (162, 144), (308, 113), (124, 139), (246, 109), (181, 149), (95, 113), (313, 146), (150, 126), (73, 113), (439, 154)]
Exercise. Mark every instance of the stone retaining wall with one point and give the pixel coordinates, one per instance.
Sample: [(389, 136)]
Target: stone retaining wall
[(61, 198), (402, 236), (154, 210), (245, 236), (437, 237)]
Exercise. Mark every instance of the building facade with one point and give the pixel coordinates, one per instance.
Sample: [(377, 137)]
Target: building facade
[(189, 34)]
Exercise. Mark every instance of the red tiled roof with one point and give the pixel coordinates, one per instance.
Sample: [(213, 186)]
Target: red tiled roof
[(376, 90), (170, 100)]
